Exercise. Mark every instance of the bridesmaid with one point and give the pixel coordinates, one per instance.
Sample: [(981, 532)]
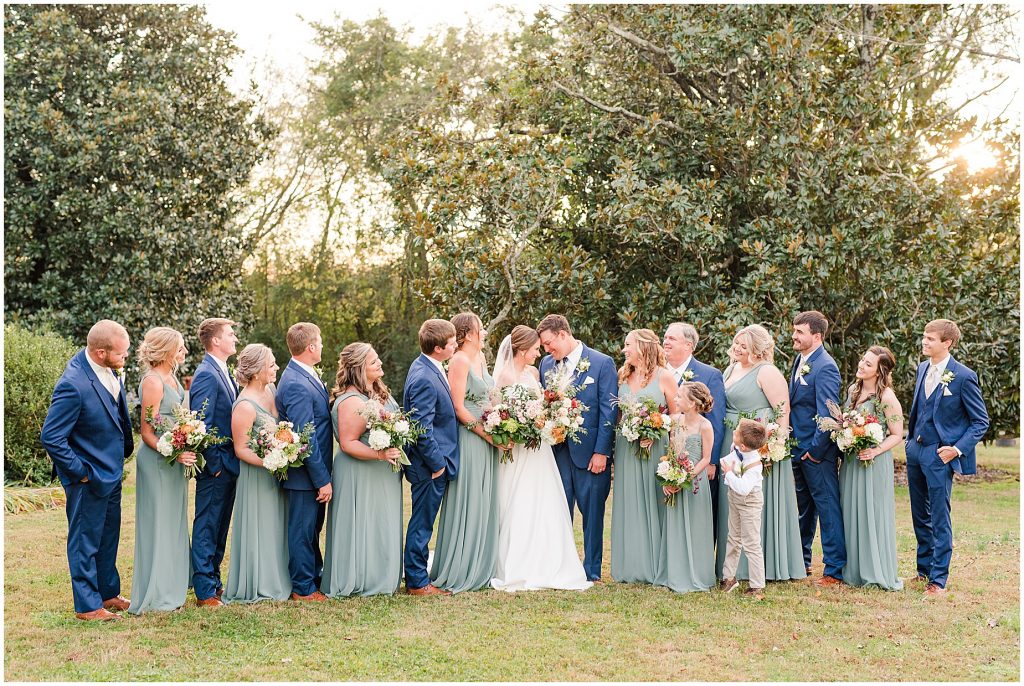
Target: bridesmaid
[(753, 388), (866, 494), (466, 550), (364, 519), (638, 508), (161, 575), (687, 560), (259, 538)]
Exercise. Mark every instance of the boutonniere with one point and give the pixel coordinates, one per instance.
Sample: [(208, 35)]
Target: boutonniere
[(319, 371), (444, 365), (119, 373), (231, 372), (688, 375), (804, 371), (583, 365), (947, 377)]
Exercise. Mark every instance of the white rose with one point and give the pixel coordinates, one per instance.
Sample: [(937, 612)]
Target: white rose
[(664, 468), (402, 427), (163, 446), (875, 431), (379, 439), (534, 408), (579, 421)]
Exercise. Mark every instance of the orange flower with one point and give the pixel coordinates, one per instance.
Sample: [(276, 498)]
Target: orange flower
[(656, 421), (186, 429), (858, 431), (558, 434), (284, 435)]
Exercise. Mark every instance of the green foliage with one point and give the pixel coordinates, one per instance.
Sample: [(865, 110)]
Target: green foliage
[(123, 147), (725, 165), (32, 364)]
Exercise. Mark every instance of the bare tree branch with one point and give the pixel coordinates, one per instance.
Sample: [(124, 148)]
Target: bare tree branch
[(617, 110)]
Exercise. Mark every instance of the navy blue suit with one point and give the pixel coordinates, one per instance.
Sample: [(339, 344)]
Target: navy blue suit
[(88, 434), (712, 378), (817, 478), (954, 415), (302, 398), (428, 401), (599, 384), (215, 485)]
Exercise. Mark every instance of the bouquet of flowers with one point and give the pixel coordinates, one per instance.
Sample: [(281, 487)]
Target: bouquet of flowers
[(853, 430), (514, 414), (779, 444), (642, 418), (183, 432), (675, 470), (390, 429), (563, 413), (280, 447)]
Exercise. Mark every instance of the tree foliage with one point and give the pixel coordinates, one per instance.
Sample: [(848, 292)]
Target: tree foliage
[(726, 165)]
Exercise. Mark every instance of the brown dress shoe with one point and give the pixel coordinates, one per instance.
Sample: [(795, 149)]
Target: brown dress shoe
[(220, 592), (755, 593), (828, 581), (315, 596), (728, 585), (919, 579), (429, 589), (210, 602), (934, 591), (116, 603), (100, 615)]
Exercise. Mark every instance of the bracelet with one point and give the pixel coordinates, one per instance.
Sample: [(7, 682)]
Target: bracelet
[(473, 424)]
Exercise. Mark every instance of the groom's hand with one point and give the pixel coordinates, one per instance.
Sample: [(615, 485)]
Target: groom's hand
[(437, 473), (598, 463), (324, 493)]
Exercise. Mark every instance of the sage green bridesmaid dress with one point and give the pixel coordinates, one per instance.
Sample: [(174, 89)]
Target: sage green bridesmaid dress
[(867, 497), (259, 533), (466, 550), (780, 523), (638, 508), (687, 560), (364, 522), (162, 571)]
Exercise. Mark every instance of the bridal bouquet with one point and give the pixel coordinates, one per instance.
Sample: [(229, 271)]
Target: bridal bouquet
[(563, 412), (778, 446), (280, 447), (514, 415), (390, 429), (640, 419), (183, 432), (853, 430), (675, 470)]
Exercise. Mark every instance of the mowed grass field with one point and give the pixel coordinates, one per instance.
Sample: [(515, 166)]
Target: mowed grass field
[(611, 632)]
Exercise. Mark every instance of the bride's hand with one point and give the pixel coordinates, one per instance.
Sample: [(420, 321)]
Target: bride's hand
[(646, 443), (670, 490)]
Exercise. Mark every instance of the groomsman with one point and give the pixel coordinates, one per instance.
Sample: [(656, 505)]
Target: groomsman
[(947, 419), (679, 342), (814, 380), (434, 457), (302, 399), (88, 434), (584, 466), (215, 485)]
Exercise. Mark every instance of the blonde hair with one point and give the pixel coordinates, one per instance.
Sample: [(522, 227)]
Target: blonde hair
[(650, 352), (300, 336), (760, 343), (160, 344), (947, 330), (251, 361), (352, 372)]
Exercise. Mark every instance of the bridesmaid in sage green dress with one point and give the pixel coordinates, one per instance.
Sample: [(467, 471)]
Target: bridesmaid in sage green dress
[(364, 519), (466, 550), (259, 535), (162, 573), (866, 493), (753, 387), (687, 560), (638, 506)]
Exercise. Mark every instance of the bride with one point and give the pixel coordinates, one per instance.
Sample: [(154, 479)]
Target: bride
[(536, 548)]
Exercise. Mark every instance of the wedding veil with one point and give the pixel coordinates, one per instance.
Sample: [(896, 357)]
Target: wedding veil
[(503, 360)]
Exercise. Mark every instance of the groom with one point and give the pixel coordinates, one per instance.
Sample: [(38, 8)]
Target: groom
[(584, 466), (947, 419), (434, 457)]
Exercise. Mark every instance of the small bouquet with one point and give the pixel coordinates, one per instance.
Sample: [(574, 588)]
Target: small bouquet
[(563, 412), (390, 429), (853, 431), (642, 418), (183, 432), (675, 470), (514, 414), (280, 447)]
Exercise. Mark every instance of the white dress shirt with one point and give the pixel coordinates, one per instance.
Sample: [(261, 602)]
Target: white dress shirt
[(440, 368), (750, 480), (227, 375), (678, 372), (106, 377), (934, 375), (573, 358), (310, 371)]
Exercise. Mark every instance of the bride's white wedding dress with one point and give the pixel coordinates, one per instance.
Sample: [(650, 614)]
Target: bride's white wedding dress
[(536, 548)]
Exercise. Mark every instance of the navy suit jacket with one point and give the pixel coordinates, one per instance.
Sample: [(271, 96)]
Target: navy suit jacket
[(961, 418), (86, 432), (599, 419), (712, 378), (428, 401), (301, 399), (806, 401), (211, 385)]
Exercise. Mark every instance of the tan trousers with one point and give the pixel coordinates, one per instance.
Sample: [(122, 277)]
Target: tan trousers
[(745, 536)]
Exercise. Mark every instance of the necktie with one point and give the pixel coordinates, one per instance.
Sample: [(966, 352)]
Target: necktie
[(679, 377), (931, 381)]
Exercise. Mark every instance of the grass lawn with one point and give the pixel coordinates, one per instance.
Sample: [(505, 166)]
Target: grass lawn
[(610, 632)]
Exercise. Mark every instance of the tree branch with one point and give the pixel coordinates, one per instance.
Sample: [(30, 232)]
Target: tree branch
[(617, 110)]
